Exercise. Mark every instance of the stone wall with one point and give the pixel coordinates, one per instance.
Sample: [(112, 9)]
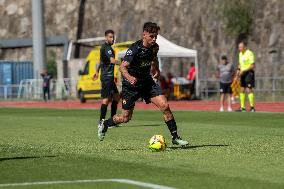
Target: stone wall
[(190, 23)]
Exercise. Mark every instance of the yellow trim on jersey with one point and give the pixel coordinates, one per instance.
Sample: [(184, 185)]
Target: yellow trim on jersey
[(246, 59)]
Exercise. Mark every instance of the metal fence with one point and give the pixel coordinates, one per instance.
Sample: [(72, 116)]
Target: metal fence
[(8, 91), (266, 88), (31, 89)]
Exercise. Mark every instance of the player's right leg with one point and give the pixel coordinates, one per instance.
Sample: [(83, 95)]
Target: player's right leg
[(103, 111), (162, 103), (229, 98), (242, 93), (106, 95)]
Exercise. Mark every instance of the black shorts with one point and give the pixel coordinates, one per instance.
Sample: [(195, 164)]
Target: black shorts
[(131, 94), (247, 79), (225, 88), (108, 89)]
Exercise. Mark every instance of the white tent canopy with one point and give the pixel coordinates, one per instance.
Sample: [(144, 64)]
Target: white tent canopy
[(169, 49)]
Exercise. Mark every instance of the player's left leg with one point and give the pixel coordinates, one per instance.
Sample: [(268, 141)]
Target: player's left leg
[(243, 94), (161, 102), (229, 96), (251, 99), (48, 93), (103, 110), (250, 87), (128, 103), (115, 100), (112, 121)]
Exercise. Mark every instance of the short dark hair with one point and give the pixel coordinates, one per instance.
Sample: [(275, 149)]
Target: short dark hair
[(224, 57), (244, 42), (109, 31), (151, 27)]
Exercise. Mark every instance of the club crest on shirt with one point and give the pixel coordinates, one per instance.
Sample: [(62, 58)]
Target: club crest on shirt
[(155, 50), (109, 52), (129, 52), (124, 101)]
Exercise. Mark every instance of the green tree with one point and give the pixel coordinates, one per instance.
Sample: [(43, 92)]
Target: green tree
[(51, 64), (237, 16)]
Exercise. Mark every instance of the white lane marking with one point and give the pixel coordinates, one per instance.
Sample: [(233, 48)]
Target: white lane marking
[(125, 181)]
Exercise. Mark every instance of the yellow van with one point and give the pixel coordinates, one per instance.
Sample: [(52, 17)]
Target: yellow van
[(87, 88)]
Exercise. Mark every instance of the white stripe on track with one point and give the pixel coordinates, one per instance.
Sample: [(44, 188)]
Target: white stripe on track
[(125, 181)]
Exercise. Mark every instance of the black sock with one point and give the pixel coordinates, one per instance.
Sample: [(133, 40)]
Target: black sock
[(173, 128), (108, 123), (113, 108), (103, 111)]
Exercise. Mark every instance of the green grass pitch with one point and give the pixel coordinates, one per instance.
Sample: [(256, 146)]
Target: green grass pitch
[(227, 150)]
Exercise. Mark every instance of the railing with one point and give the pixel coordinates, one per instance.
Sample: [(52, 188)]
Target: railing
[(267, 88), (31, 89), (8, 91)]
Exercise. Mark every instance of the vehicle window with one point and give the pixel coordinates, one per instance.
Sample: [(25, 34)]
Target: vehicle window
[(86, 69)]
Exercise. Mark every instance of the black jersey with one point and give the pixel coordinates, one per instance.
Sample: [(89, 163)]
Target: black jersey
[(140, 59), (107, 68)]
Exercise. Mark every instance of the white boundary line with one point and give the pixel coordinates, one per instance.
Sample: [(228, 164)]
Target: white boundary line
[(125, 181)]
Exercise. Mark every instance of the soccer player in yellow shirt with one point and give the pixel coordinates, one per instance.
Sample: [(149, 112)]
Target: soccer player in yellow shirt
[(246, 74)]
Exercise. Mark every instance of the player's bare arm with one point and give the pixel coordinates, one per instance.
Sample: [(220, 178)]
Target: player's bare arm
[(155, 68), (113, 61), (96, 75), (123, 69)]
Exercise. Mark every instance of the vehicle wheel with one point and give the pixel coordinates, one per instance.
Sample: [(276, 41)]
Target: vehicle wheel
[(82, 98)]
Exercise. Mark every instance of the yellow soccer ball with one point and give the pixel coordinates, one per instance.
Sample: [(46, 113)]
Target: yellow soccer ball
[(157, 143)]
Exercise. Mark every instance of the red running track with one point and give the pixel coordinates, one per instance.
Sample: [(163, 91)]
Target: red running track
[(197, 105)]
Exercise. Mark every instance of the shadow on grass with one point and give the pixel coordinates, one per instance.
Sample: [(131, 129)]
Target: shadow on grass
[(180, 147), (197, 146), (147, 125), (126, 149), (27, 157)]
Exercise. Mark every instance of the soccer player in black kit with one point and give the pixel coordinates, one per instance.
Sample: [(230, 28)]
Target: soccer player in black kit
[(109, 92), (136, 68)]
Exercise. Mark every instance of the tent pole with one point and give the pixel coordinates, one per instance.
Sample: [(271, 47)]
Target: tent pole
[(197, 83), (160, 64)]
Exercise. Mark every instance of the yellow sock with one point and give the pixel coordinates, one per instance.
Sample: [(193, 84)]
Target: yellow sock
[(251, 99), (242, 99)]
